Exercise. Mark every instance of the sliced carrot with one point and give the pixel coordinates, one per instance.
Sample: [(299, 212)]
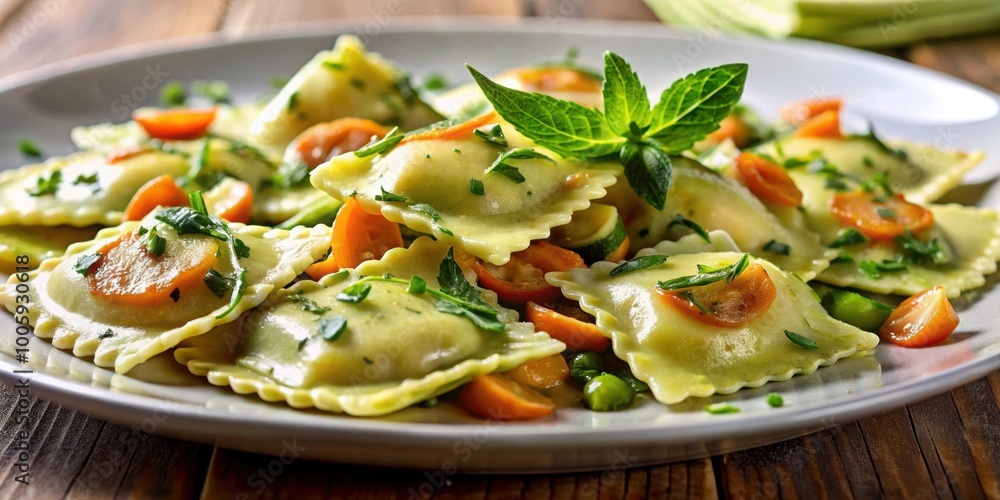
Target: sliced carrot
[(359, 236), (175, 124), (553, 79), (731, 127), (159, 192), (231, 200), (457, 131), (126, 273), (619, 253), (541, 373), (767, 181), (727, 305), (119, 155), (578, 335), (824, 125), (797, 112), (522, 278), (879, 217), (321, 142), (322, 268), (924, 319), (497, 398)]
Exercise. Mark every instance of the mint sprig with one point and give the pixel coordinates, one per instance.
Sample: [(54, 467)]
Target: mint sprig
[(628, 130)]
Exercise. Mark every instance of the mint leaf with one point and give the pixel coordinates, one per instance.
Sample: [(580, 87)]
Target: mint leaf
[(638, 264), (501, 165), (690, 224), (452, 281), (647, 169), (625, 99), (565, 127), (693, 106)]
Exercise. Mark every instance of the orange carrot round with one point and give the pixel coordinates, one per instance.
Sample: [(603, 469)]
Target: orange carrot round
[(126, 273), (497, 398), (799, 111), (541, 373), (767, 181), (576, 334), (359, 236), (175, 124), (880, 218), (522, 278), (319, 143), (824, 125), (159, 192), (231, 200)]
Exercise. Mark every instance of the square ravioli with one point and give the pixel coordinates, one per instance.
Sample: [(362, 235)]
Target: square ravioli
[(680, 355), (310, 346)]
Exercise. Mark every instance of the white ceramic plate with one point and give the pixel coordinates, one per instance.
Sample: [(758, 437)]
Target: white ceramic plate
[(901, 100)]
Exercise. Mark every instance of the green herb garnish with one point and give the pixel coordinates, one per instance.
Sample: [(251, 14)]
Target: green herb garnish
[(476, 187), (638, 264), (355, 293), (85, 262), (427, 210), (848, 237), (154, 243), (218, 283), (707, 276), (690, 224), (86, 179), (381, 145), (502, 166), (307, 304), (106, 335), (391, 197), (291, 175), (494, 136), (799, 340), (921, 252), (47, 185), (885, 212), (874, 270), (417, 285), (435, 81), (777, 248), (293, 102), (333, 327), (336, 66), (640, 137)]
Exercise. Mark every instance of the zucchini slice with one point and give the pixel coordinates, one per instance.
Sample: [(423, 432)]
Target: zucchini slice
[(593, 233)]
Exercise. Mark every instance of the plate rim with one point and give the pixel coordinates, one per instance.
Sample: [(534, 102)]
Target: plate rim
[(102, 402)]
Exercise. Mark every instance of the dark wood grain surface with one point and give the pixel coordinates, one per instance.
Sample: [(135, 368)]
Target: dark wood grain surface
[(947, 446)]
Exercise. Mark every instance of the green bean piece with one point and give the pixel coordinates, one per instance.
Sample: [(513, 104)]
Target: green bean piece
[(857, 310), (607, 392)]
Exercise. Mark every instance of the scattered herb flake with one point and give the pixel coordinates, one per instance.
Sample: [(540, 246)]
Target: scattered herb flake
[(427, 210), (721, 408), (885, 213), (333, 327), (215, 90), (494, 136), (355, 293), (680, 220), (848, 237), (47, 185), (172, 94), (334, 65), (217, 283), (435, 81), (638, 264), (799, 340), (293, 102), (367, 361), (775, 247), (417, 285), (706, 276), (85, 262), (381, 145), (106, 335), (154, 243), (307, 304), (391, 197), (476, 187)]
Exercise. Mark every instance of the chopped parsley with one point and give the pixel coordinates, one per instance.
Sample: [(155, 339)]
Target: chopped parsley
[(494, 136), (874, 269), (417, 285), (502, 166), (435, 81), (85, 262), (885, 212), (842, 257), (848, 237), (921, 252), (29, 148), (332, 328), (293, 102), (476, 187), (290, 175), (336, 66), (355, 293), (307, 304), (154, 243), (47, 185), (427, 210), (106, 335)]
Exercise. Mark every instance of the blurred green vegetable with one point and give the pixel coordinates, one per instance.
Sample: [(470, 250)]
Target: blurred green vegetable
[(860, 23)]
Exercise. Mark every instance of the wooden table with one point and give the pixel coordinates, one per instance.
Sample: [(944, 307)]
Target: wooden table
[(947, 446)]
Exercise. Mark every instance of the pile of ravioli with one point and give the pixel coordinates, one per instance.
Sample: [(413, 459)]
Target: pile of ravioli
[(398, 348)]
